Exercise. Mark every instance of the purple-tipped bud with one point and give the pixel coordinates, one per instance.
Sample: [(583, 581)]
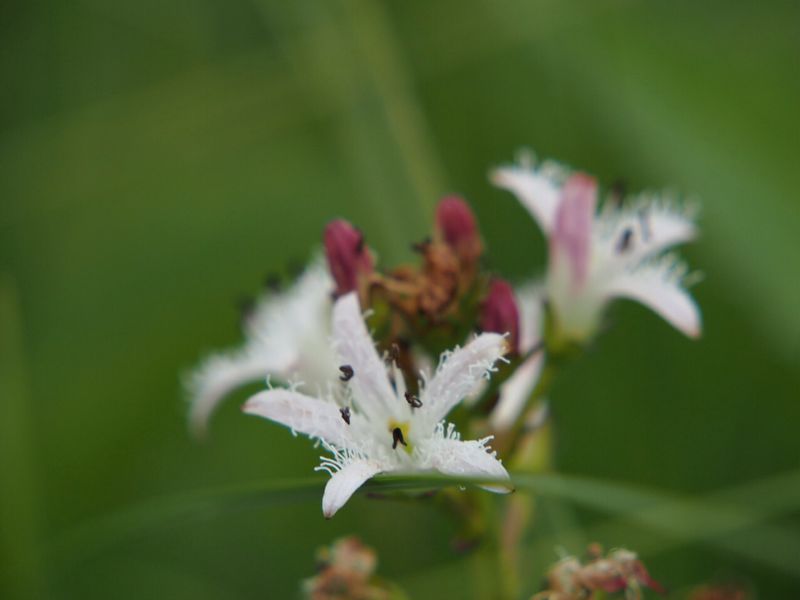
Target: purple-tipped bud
[(499, 313), (347, 254), (572, 233), (458, 229)]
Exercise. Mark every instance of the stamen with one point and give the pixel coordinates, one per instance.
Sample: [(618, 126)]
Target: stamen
[(397, 436), (412, 400), (624, 242), (360, 243), (347, 373), (345, 412)]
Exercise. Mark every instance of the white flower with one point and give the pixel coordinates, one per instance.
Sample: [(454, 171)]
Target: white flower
[(286, 336), (515, 391), (376, 427), (597, 256)]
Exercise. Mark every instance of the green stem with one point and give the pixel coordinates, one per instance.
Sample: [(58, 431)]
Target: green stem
[(532, 454), (508, 442)]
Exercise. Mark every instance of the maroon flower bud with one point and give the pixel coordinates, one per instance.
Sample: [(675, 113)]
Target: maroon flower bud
[(457, 227), (348, 256), (499, 313)]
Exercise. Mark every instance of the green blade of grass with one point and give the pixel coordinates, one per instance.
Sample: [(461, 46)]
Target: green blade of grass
[(688, 520)]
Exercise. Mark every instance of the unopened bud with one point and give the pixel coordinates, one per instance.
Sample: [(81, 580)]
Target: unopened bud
[(572, 233), (348, 256), (457, 227), (499, 313)]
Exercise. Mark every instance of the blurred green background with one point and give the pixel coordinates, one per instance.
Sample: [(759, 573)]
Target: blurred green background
[(158, 158)]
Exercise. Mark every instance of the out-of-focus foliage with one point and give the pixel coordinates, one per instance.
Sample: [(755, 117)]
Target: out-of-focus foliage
[(158, 158)]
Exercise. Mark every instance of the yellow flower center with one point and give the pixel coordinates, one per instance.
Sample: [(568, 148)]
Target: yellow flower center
[(399, 431)]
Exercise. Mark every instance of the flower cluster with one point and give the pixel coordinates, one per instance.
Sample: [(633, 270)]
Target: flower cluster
[(618, 571), (346, 571), (371, 362)]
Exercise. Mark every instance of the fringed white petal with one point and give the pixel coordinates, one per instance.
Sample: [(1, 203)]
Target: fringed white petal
[(447, 453), (515, 391), (345, 481), (658, 286), (459, 372), (663, 224), (651, 225), (537, 190), (221, 374), (355, 348), (530, 301), (310, 416), (287, 334), (289, 321)]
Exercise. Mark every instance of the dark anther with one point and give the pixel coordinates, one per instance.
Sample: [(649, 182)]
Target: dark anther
[(273, 282), (624, 243), (397, 436), (421, 246), (360, 243), (347, 373), (412, 400), (345, 412)]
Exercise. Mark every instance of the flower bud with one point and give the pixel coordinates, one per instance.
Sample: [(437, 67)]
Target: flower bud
[(348, 257), (456, 225), (499, 313), (572, 233), (347, 570)]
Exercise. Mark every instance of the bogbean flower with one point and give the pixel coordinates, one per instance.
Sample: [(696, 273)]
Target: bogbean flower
[(596, 256), (286, 336), (376, 425)]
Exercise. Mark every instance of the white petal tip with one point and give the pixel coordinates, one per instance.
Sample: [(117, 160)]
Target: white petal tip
[(256, 404), (500, 489), (695, 333), (343, 484), (690, 325)]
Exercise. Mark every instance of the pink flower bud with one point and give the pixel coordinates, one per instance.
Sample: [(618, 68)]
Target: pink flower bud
[(499, 313), (348, 256), (572, 234), (456, 224)]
